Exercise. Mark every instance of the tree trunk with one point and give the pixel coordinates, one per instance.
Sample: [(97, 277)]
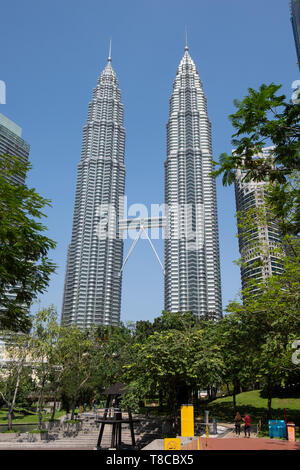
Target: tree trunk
[(213, 393), (171, 405), (235, 390), (73, 409), (40, 403), (54, 406), (234, 400), (9, 418), (11, 404), (269, 414), (160, 399)]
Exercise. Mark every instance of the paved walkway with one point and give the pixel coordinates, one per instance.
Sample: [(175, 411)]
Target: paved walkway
[(86, 439), (148, 433), (243, 443)]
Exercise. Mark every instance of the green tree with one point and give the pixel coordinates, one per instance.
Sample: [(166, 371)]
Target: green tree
[(174, 321), (209, 361), (143, 329), (79, 358), (232, 337), (173, 363), (264, 118), (114, 344), (12, 370), (269, 323), (25, 268), (43, 351)]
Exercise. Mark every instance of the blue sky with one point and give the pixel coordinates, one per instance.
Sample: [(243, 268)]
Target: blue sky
[(51, 55)]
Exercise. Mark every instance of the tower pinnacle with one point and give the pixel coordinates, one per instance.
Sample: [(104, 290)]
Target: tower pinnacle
[(92, 294), (109, 53), (186, 40), (192, 266)]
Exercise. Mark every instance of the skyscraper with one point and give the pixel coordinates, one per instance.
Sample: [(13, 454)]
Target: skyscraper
[(295, 19), (259, 244), (11, 142), (92, 293), (192, 266)]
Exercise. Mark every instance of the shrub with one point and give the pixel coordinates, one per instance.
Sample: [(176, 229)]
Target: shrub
[(37, 431)]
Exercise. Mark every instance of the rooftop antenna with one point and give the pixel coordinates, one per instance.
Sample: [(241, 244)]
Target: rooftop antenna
[(186, 40), (109, 54)]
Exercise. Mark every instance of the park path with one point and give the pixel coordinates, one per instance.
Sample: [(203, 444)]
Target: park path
[(145, 432), (241, 443), (86, 439)]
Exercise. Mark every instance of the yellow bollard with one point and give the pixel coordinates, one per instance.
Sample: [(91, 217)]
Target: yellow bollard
[(207, 435), (187, 420)]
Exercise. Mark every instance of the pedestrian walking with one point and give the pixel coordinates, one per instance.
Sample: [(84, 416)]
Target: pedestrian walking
[(247, 425), (237, 423), (111, 410), (114, 404)]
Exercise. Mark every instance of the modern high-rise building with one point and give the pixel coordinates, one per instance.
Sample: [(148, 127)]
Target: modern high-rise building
[(295, 19), (11, 142), (92, 293), (259, 244), (192, 266)]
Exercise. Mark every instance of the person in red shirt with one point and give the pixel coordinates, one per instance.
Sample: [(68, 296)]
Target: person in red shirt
[(247, 426)]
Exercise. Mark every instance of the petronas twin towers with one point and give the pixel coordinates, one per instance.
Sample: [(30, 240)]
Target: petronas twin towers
[(93, 281)]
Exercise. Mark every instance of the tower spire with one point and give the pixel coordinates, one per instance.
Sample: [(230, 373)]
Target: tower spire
[(186, 40), (109, 53)]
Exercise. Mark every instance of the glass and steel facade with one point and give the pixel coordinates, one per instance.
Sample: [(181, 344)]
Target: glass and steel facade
[(92, 293), (192, 266), (11, 142), (295, 19), (260, 244)]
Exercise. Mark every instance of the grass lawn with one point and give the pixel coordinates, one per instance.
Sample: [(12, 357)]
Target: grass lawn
[(253, 403), (20, 417)]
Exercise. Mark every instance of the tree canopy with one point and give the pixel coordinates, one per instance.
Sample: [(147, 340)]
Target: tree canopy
[(264, 118), (25, 268)]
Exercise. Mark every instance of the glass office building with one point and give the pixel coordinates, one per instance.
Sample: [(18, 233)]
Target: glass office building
[(260, 244)]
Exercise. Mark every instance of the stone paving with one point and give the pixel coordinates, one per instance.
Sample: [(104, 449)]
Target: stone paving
[(243, 443), (85, 439), (147, 434)]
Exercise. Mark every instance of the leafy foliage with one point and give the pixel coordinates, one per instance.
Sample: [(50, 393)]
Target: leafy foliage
[(173, 361), (262, 119), (269, 323), (25, 268)]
